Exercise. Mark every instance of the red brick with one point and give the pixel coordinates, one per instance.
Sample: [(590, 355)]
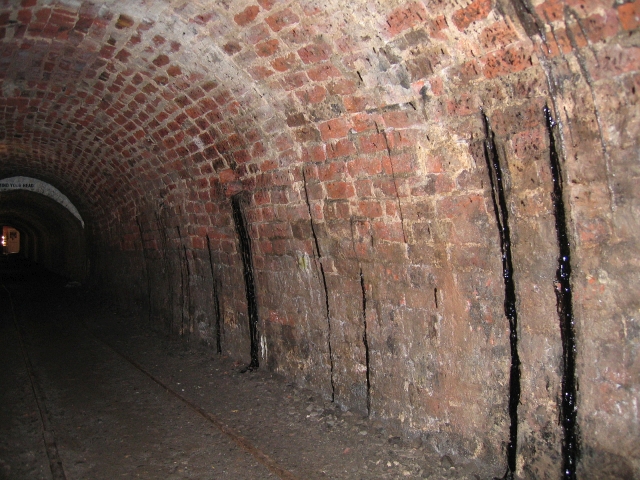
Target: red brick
[(497, 35), (161, 61), (551, 10), (616, 60), (247, 16), (267, 48), (257, 33), (282, 19), (529, 145), (629, 15), (436, 25), (406, 17), (365, 166), (401, 119), (282, 64), (283, 142), (298, 35), (476, 10), (231, 48), (510, 60), (323, 72), (600, 27), (354, 104), (259, 72), (315, 153), (391, 232), (373, 143), (336, 128), (343, 86), (267, 4), (340, 190), (466, 206), (123, 55), (314, 94), (314, 53), (331, 171), (341, 148), (370, 208)]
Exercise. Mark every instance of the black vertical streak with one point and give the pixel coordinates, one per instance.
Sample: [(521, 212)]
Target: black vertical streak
[(365, 340), (188, 291), (529, 19), (435, 296), (146, 269), (216, 300), (395, 183), (181, 284), (502, 219), (324, 284), (313, 227), (564, 302), (249, 281), (167, 265)]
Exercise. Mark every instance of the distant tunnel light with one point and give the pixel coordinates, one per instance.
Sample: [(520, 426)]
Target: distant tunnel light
[(10, 240)]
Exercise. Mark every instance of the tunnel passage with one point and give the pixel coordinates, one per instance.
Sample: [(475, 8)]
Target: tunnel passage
[(50, 234), (355, 132)]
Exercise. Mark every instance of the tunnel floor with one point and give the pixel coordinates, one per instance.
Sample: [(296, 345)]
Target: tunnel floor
[(90, 393)]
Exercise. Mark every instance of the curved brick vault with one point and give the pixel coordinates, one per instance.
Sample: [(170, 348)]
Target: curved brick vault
[(352, 136)]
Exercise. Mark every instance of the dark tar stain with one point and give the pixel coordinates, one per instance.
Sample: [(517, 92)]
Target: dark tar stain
[(249, 281), (216, 300), (564, 302), (365, 340), (502, 220)]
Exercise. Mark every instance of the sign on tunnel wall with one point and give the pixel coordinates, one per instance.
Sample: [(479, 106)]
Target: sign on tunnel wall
[(43, 188)]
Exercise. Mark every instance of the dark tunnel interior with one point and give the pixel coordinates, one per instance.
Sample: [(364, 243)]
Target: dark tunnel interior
[(49, 234)]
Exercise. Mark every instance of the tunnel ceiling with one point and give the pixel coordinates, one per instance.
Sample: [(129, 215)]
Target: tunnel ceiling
[(117, 101), (114, 101)]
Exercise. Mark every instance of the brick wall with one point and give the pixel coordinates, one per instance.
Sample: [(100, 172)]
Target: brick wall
[(356, 132)]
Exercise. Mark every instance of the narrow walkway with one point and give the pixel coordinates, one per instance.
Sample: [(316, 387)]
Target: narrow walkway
[(86, 393)]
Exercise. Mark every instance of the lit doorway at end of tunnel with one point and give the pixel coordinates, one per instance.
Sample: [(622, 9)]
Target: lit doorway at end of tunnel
[(10, 240)]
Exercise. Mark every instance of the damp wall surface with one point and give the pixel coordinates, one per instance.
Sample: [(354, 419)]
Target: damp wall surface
[(440, 200)]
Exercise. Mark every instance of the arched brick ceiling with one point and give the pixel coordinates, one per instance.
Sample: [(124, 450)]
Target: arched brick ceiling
[(117, 101), (112, 101)]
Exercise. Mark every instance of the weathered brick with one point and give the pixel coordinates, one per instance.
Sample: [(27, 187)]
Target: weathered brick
[(406, 17), (282, 19), (314, 53), (629, 14), (267, 48), (247, 16), (476, 10), (336, 128), (510, 60)]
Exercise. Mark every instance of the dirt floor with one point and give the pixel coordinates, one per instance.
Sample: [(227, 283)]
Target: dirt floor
[(89, 393)]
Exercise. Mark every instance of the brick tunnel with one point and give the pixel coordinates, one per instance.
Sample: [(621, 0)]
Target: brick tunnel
[(426, 212)]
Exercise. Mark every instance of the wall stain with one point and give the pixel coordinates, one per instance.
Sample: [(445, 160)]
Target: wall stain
[(324, 285), (365, 341), (249, 280), (162, 230), (216, 300), (146, 268), (501, 212), (564, 303)]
